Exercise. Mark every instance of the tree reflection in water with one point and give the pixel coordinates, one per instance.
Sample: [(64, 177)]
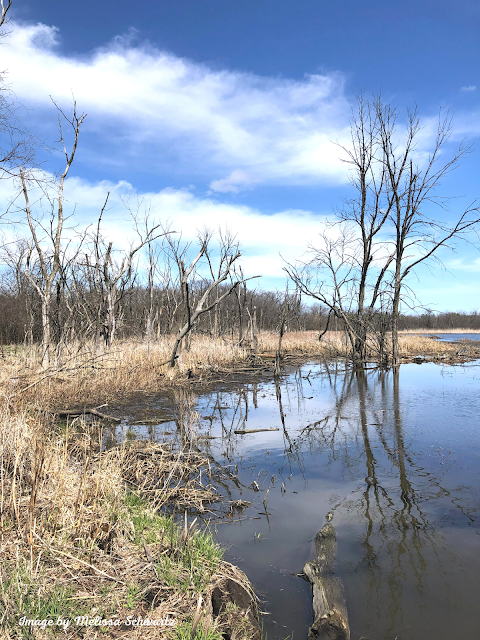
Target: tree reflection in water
[(365, 457)]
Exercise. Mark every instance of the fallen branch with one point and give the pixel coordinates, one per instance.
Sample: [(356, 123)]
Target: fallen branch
[(72, 413), (242, 432), (61, 369)]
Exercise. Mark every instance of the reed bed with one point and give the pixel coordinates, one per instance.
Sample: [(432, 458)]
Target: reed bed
[(334, 344), (86, 377), (128, 366), (412, 346)]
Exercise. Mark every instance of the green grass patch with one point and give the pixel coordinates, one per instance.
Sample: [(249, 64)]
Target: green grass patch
[(35, 598), (149, 526), (186, 563), (184, 632)]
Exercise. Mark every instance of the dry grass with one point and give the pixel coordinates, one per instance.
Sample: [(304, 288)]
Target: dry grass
[(86, 379), (86, 532), (333, 344), (127, 367), (305, 342), (412, 346)]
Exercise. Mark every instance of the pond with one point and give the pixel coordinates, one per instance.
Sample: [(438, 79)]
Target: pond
[(394, 456)]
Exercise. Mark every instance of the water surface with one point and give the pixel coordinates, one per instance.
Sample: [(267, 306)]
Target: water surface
[(394, 456), (453, 337)]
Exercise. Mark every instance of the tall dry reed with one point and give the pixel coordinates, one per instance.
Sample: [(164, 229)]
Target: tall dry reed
[(86, 377)]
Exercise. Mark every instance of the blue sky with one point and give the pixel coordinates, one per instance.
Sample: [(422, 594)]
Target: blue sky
[(220, 111)]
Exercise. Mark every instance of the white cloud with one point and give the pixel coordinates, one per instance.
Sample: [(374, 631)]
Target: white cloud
[(460, 264), (159, 108), (235, 182), (153, 112), (470, 87), (262, 238)]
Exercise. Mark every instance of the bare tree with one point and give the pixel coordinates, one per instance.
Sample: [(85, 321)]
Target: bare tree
[(109, 279), (329, 275), (153, 258), (411, 187), (351, 264), (383, 233), (169, 298), (229, 254), (45, 244), (290, 305), (241, 299), (368, 212)]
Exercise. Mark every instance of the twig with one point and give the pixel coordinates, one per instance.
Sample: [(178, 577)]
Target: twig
[(94, 412)]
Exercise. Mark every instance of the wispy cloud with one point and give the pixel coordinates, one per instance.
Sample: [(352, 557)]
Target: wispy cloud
[(471, 265), (151, 111), (470, 87), (162, 109), (237, 181)]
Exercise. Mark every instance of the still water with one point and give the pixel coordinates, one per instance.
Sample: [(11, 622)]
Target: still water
[(453, 337), (394, 456)]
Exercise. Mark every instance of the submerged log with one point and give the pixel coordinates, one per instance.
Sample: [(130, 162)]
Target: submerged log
[(329, 601)]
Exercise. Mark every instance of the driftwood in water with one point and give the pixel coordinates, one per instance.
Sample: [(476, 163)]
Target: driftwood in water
[(329, 602), (242, 432)]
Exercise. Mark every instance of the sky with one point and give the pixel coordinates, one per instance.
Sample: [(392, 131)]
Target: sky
[(219, 112)]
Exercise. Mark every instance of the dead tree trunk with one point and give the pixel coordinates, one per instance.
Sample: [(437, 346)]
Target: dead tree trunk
[(278, 354), (253, 329), (49, 264)]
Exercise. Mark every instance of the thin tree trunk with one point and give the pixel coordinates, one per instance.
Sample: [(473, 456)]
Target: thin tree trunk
[(254, 332), (46, 338), (395, 314), (278, 355)]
